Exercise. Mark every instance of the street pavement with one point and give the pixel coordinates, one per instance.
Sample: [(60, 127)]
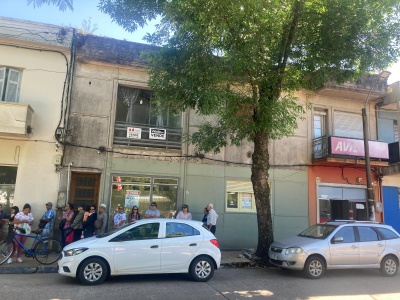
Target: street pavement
[(227, 283)]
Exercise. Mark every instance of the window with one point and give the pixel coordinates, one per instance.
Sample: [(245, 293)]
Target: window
[(367, 234), (139, 122), (240, 196), (180, 230), (9, 84), (130, 190), (141, 232), (347, 233), (387, 234), (319, 123), (8, 176), (348, 125)]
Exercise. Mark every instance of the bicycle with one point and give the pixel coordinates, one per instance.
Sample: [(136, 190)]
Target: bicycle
[(46, 251)]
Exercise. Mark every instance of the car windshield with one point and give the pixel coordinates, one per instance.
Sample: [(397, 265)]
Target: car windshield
[(318, 231), (113, 230)]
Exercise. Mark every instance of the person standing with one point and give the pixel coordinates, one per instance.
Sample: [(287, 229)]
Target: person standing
[(184, 214), (212, 218), (77, 223), (152, 212), (119, 217), (205, 212), (134, 215), (68, 215), (101, 221), (48, 218), (88, 225), (23, 220)]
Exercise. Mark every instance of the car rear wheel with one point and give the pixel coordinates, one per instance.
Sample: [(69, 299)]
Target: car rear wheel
[(202, 269), (389, 266), (93, 271), (314, 267)]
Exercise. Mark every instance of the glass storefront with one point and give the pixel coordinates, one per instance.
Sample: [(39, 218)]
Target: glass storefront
[(8, 176), (130, 191)]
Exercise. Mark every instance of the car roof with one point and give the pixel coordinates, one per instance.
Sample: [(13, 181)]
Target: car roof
[(152, 220), (354, 222)]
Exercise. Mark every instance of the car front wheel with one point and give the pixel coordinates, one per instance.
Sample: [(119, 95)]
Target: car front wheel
[(93, 271), (202, 269), (389, 266), (314, 267)]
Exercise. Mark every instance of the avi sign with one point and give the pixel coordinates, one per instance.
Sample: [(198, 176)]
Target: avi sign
[(353, 147)]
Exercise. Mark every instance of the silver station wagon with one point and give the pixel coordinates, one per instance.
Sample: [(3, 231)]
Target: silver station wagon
[(339, 245)]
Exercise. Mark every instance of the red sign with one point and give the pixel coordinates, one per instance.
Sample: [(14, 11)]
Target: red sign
[(352, 147)]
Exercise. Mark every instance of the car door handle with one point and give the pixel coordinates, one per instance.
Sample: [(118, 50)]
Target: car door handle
[(194, 244), (380, 245), (155, 246), (354, 246)]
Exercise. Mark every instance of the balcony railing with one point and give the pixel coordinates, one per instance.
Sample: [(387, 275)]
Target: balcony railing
[(172, 141)]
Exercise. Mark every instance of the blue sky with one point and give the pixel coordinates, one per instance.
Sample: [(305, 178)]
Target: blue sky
[(83, 9)]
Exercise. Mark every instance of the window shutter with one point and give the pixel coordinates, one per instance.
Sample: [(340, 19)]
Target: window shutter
[(2, 81), (12, 88), (348, 125)]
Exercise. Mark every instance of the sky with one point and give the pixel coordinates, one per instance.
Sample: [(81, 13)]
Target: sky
[(85, 9)]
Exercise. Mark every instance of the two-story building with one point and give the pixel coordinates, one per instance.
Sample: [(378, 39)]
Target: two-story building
[(34, 68)]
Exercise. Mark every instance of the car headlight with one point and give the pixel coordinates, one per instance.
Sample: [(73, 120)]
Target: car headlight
[(294, 250), (76, 251)]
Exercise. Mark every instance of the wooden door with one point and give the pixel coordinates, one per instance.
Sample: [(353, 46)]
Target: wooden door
[(84, 189)]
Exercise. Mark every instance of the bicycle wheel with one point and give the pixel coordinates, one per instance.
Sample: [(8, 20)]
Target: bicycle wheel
[(6, 250), (48, 251)]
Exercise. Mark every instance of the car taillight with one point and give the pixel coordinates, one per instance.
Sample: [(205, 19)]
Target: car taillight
[(215, 242)]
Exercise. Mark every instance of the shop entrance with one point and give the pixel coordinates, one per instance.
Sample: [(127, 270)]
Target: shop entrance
[(342, 203)]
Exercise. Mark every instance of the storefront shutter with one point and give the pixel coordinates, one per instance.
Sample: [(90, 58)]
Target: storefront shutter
[(348, 125), (239, 186)]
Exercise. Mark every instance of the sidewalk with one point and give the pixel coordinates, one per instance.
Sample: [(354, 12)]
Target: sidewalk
[(30, 265)]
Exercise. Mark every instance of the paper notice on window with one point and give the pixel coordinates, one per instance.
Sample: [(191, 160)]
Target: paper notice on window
[(132, 198), (246, 201), (133, 133)]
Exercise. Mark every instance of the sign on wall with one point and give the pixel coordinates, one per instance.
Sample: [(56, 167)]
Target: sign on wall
[(134, 133), (353, 147), (158, 134)]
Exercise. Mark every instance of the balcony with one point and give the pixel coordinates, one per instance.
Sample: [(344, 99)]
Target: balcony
[(139, 135), (333, 149), (15, 119)]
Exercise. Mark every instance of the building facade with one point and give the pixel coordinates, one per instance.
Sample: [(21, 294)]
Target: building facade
[(34, 64)]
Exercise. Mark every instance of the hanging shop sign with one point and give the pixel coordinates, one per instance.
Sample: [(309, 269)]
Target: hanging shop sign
[(158, 134), (133, 133)]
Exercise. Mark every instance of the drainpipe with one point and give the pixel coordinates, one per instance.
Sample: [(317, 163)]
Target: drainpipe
[(68, 182)]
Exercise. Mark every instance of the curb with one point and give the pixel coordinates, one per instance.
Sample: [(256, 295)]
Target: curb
[(28, 270)]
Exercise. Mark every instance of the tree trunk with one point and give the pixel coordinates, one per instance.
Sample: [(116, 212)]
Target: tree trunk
[(259, 178)]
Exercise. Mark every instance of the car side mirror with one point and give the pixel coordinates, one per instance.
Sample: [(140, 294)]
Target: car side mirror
[(338, 239)]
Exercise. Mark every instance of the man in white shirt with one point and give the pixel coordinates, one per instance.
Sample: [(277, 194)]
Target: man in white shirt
[(212, 218), (119, 217)]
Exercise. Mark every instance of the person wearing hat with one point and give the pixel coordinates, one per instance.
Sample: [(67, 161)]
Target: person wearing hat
[(47, 218), (184, 214), (101, 221), (119, 217), (152, 212)]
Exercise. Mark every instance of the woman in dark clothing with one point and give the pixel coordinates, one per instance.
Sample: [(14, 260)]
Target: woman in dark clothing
[(88, 225), (204, 220)]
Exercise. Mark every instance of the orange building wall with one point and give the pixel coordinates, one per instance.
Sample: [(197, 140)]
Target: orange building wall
[(337, 175)]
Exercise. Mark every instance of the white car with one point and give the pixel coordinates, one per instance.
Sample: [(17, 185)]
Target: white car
[(147, 246)]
